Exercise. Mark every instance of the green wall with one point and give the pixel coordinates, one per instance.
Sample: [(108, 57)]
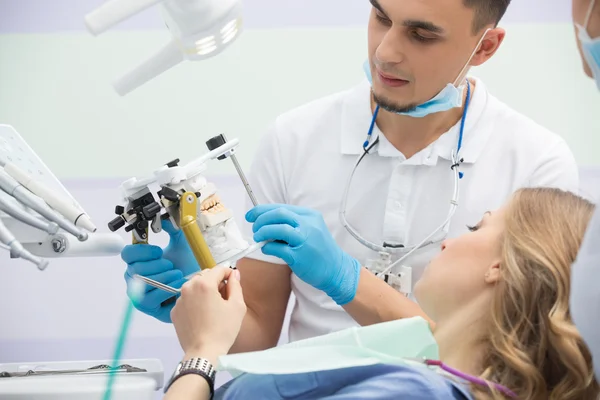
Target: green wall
[(55, 89)]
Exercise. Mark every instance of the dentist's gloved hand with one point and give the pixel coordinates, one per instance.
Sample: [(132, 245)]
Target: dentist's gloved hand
[(168, 267), (178, 250), (309, 249)]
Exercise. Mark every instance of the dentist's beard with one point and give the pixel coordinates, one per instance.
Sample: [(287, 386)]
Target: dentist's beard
[(392, 107)]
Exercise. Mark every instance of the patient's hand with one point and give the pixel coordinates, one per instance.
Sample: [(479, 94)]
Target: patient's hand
[(209, 313)]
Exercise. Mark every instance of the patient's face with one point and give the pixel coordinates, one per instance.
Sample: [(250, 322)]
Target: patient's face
[(457, 275)]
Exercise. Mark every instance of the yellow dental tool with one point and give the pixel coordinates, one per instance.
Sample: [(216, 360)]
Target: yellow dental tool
[(191, 230)]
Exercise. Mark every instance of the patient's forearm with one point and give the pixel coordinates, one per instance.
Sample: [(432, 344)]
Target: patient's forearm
[(376, 302)]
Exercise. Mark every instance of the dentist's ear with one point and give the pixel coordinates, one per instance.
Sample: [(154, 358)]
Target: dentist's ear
[(492, 39)]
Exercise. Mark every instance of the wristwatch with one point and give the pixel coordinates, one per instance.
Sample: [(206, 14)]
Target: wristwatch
[(198, 366)]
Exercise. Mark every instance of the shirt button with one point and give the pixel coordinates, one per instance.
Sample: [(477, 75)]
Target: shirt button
[(398, 205)]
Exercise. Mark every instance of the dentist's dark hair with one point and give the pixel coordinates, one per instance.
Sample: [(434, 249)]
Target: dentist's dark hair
[(487, 12)]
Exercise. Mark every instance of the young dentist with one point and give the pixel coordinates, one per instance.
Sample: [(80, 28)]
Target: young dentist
[(585, 283), (431, 150)]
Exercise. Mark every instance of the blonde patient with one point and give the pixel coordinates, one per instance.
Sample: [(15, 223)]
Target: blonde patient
[(499, 296)]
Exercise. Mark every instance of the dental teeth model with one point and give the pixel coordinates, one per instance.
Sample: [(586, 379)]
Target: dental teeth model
[(191, 203), (215, 220)]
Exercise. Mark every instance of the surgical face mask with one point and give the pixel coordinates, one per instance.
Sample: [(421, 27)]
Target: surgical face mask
[(590, 47), (451, 96), (389, 342)]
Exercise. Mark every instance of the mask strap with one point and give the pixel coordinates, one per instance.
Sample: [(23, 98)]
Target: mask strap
[(588, 15), (462, 71)]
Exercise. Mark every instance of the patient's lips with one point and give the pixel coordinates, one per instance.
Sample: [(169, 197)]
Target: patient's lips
[(211, 205)]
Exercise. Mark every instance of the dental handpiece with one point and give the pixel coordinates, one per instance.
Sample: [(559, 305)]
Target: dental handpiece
[(19, 192), (61, 203), (17, 249), (7, 205)]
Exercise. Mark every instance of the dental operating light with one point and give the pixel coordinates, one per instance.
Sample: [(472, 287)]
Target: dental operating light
[(200, 29)]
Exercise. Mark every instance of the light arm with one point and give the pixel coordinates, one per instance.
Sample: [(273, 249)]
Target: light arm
[(163, 60), (200, 29), (113, 12)]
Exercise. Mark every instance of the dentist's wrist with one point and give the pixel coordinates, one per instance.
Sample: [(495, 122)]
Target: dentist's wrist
[(344, 284)]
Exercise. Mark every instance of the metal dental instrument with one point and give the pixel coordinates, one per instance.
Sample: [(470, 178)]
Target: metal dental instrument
[(98, 369), (219, 141), (157, 285), (238, 168), (251, 249)]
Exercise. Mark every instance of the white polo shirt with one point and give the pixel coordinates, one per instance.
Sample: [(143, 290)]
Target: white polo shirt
[(308, 153)]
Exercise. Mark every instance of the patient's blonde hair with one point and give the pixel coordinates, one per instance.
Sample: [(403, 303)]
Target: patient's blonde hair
[(534, 348)]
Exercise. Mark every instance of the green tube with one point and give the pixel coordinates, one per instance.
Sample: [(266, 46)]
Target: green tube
[(137, 294)]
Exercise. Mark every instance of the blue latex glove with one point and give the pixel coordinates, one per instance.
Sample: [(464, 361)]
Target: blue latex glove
[(309, 249), (178, 250), (168, 267)]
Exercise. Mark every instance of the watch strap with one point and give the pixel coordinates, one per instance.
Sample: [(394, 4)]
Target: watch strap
[(198, 366)]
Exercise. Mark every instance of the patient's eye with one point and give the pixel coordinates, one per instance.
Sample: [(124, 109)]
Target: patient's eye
[(473, 228)]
